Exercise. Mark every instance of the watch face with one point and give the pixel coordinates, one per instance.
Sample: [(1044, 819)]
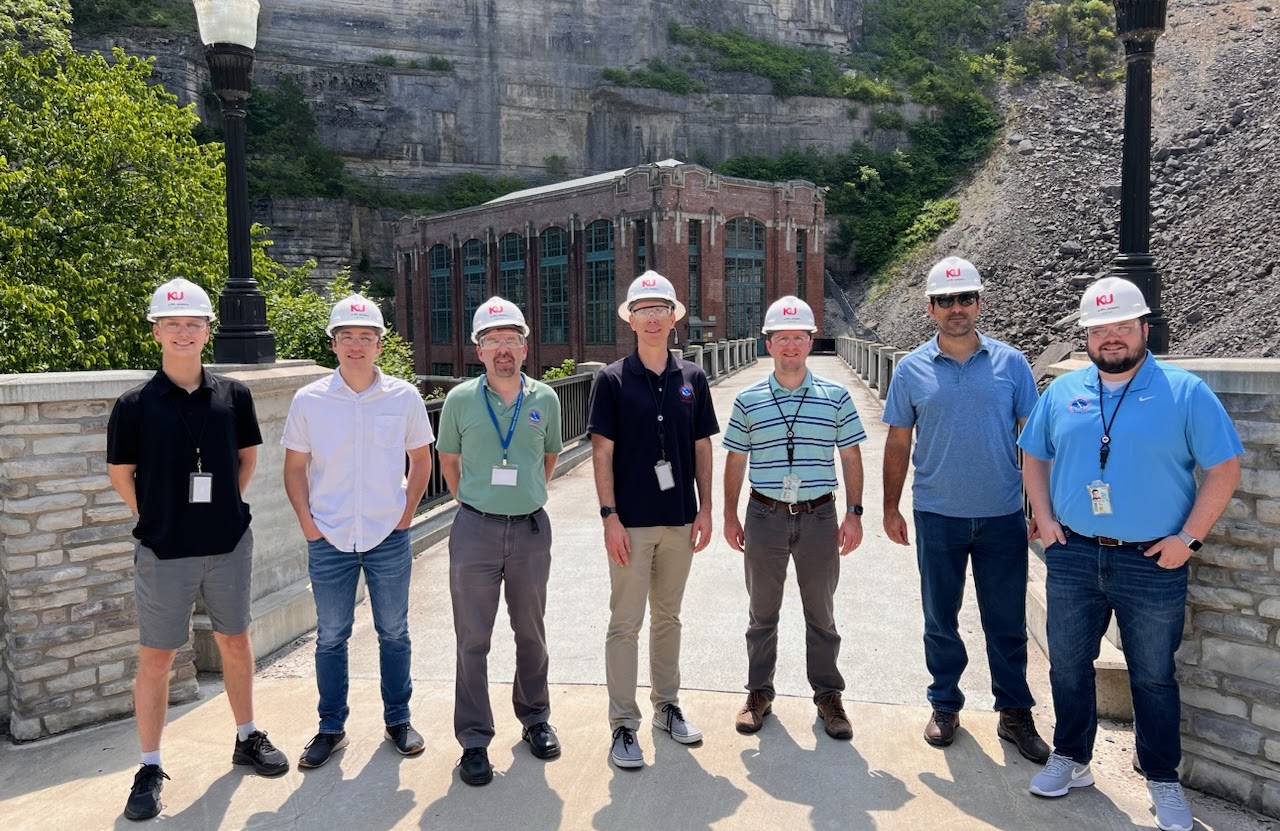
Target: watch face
[(1195, 545), (604, 512)]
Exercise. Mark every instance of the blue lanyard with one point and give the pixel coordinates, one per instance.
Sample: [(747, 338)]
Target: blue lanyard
[(515, 416)]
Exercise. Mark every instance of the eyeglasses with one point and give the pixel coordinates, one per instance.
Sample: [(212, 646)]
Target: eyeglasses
[(946, 302), (174, 327), (651, 312), (366, 341), (1120, 330), (512, 342), (790, 340)]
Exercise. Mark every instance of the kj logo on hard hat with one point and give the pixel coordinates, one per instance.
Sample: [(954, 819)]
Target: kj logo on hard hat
[(789, 313), (497, 313), (355, 310), (952, 276), (179, 298), (1111, 300), (651, 286)]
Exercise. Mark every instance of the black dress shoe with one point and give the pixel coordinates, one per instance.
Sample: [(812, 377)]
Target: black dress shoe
[(542, 740), (319, 749), (941, 729), (1019, 727), (474, 766)]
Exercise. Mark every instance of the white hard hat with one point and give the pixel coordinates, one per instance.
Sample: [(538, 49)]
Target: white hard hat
[(497, 313), (650, 286), (1111, 300), (789, 313), (180, 298), (355, 310), (952, 276)]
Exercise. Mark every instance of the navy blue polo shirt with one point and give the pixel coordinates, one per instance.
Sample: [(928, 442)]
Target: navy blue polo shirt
[(157, 426), (625, 401)]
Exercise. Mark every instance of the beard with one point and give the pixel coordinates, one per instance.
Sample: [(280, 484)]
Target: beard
[(1118, 365)]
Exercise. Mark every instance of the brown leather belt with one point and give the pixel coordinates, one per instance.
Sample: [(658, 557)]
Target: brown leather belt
[(1112, 542), (793, 508)]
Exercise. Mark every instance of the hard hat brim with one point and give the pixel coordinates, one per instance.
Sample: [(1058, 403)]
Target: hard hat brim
[(154, 316)]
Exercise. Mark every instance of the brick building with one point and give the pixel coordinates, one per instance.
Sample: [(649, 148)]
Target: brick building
[(566, 253)]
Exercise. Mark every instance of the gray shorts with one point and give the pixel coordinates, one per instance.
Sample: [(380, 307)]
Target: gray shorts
[(165, 590)]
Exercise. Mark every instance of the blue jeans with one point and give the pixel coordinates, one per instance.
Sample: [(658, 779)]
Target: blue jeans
[(1087, 582), (997, 547), (387, 568)]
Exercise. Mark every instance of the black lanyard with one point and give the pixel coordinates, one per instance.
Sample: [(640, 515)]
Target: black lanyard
[(1105, 450), (790, 425), (658, 405), (196, 441)]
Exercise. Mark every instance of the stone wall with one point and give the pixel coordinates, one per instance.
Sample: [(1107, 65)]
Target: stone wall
[(1229, 663), (69, 635)]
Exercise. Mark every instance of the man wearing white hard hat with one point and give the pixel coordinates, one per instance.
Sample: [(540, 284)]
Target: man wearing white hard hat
[(499, 439), (1110, 454), (650, 421), (181, 450), (788, 428), (964, 395), (345, 443)]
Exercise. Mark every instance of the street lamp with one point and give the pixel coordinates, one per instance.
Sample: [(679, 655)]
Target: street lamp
[(1139, 23), (229, 30)]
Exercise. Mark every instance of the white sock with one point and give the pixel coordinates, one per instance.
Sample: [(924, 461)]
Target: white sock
[(151, 757), (243, 731)]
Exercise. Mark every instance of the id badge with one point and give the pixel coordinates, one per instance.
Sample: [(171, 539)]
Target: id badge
[(791, 488), (1100, 498), (666, 479), (201, 488), (504, 476)]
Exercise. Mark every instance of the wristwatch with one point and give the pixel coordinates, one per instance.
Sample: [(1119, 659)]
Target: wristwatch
[(605, 510), (1190, 541), (856, 510)]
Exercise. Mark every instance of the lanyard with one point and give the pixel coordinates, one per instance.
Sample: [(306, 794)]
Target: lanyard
[(195, 440), (658, 405), (515, 416), (1105, 450), (790, 425)]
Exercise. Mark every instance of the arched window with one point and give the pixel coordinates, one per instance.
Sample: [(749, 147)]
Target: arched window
[(473, 293), (553, 282), (511, 269), (438, 283), (744, 258), (600, 293)]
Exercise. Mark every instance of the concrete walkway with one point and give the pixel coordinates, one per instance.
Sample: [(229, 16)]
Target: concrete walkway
[(790, 775)]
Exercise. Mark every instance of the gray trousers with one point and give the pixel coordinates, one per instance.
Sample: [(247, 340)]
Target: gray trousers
[(484, 554), (773, 538)]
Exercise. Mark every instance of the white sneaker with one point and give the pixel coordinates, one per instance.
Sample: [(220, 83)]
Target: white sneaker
[(1060, 775), (626, 752), (1172, 811), (672, 720)]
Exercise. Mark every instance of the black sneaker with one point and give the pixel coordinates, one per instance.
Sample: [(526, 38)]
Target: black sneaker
[(144, 800), (257, 750), (542, 740), (474, 767), (407, 740), (319, 749)]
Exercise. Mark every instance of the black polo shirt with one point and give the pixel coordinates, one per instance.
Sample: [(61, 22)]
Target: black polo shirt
[(157, 426), (624, 409)]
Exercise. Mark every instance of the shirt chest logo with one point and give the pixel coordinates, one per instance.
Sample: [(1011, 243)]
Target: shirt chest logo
[(686, 392), (535, 417), (1078, 405)]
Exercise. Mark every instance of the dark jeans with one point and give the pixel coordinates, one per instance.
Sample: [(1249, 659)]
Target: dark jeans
[(997, 547), (1086, 583), (774, 538)]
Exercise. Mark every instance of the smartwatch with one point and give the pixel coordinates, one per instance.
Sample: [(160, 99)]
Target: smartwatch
[(605, 510), (856, 510), (1190, 541)]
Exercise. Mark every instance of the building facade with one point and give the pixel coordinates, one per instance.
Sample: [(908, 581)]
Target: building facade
[(566, 253)]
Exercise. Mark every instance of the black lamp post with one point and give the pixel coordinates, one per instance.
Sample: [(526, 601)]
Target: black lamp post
[(229, 30), (1139, 23)]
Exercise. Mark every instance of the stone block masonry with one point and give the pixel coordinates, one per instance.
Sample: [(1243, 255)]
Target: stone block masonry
[(68, 629)]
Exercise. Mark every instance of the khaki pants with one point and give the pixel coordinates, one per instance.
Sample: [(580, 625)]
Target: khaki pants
[(657, 572)]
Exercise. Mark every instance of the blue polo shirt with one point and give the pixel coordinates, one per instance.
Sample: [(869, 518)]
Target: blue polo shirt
[(824, 418), (966, 426), (1170, 422), (625, 401)]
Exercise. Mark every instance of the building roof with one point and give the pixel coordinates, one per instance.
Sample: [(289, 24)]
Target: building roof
[(585, 181)]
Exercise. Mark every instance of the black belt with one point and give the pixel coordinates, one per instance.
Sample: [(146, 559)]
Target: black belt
[(1112, 542), (793, 508), (532, 518)]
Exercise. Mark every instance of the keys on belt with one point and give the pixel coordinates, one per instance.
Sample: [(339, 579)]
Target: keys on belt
[(790, 507)]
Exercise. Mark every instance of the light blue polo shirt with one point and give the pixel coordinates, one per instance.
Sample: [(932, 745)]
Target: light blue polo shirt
[(825, 418), (1170, 422), (965, 418)]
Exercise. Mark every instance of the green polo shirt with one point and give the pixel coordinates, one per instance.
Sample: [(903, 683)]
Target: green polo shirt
[(466, 428)]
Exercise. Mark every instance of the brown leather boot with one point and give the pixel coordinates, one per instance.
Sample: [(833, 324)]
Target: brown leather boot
[(1019, 727), (751, 716), (941, 729), (834, 720)]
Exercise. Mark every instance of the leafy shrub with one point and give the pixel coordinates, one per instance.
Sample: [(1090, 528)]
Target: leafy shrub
[(94, 17), (656, 75), (439, 64), (384, 60), (1074, 37), (566, 370)]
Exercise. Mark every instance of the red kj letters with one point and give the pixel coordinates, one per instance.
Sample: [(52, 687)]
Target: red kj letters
[(649, 283), (357, 307), (953, 272), (174, 295), (788, 310), (1105, 299), (495, 310)]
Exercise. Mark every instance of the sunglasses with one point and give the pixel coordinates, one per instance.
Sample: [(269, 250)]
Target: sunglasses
[(966, 299)]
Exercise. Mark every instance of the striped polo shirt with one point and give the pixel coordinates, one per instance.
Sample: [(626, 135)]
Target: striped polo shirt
[(825, 418)]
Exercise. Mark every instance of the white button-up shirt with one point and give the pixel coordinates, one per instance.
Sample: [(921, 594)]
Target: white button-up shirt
[(357, 442)]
